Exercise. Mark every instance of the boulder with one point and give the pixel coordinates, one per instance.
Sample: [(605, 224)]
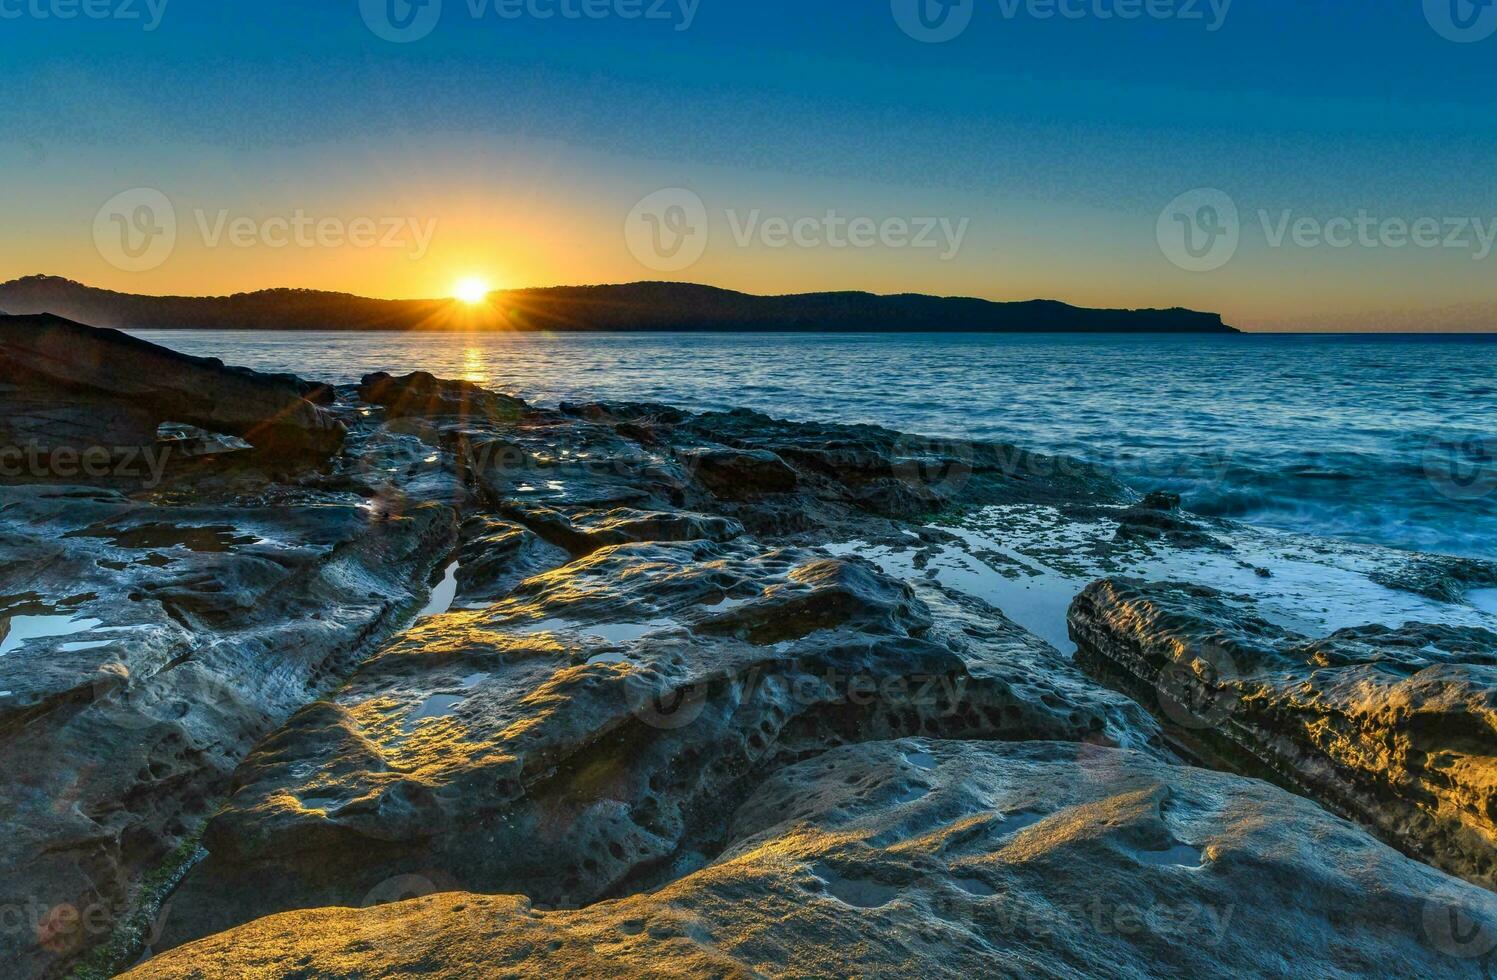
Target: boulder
[(148, 642), (934, 858), (421, 395), (593, 731), (741, 474), (1396, 728), (64, 385)]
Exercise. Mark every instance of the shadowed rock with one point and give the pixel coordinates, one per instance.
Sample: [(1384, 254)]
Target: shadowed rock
[(741, 474), (421, 394), (653, 692), (943, 859), (66, 385)]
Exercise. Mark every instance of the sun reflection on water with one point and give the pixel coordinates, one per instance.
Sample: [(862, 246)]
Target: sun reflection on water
[(474, 367)]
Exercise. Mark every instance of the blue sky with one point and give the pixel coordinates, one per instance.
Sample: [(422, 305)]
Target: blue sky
[(1059, 140)]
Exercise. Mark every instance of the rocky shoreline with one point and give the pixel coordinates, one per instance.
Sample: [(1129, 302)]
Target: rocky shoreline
[(414, 675)]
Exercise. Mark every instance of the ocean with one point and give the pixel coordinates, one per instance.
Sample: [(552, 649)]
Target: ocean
[(1386, 439)]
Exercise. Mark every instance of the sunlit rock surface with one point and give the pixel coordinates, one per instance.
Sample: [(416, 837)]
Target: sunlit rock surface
[(926, 857), (592, 732), (1397, 727), (148, 647), (159, 621), (628, 655)]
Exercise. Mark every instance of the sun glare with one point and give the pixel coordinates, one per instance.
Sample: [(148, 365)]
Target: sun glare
[(471, 291)]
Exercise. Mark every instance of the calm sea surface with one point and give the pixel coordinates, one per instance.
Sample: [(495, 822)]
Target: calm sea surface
[(1388, 439)]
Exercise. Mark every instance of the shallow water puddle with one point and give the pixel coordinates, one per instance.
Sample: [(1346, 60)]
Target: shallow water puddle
[(975, 886), (615, 633), (1013, 824), (861, 893), (326, 804), (80, 647), (443, 595), (1036, 602), (436, 706), (921, 760), (1178, 856), (1314, 586), (208, 539), (24, 628), (912, 793)]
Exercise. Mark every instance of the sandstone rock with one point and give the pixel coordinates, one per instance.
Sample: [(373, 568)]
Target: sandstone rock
[(498, 555), (1158, 518), (741, 474), (422, 395), (594, 730), (150, 641), (72, 386), (1440, 577), (659, 701), (1396, 728), (1161, 500), (944, 859), (585, 530)]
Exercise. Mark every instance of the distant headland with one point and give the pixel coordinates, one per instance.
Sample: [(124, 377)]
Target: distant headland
[(633, 307)]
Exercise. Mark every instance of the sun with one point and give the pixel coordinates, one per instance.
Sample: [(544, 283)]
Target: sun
[(471, 290)]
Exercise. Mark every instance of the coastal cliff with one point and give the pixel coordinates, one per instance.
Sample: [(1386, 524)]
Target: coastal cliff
[(632, 307)]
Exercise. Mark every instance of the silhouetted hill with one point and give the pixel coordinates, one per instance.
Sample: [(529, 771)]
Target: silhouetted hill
[(632, 307)]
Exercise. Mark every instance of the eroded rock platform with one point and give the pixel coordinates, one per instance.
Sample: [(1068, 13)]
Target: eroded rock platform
[(604, 689)]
